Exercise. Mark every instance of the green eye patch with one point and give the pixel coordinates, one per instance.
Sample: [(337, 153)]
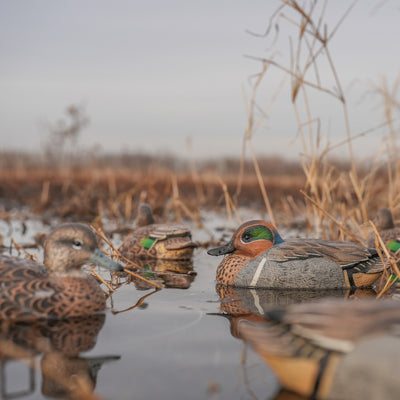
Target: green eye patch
[(261, 232)]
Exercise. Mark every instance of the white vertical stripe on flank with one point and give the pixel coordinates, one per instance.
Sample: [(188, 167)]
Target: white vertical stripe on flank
[(258, 272)]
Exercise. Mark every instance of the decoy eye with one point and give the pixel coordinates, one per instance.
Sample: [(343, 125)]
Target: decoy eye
[(77, 244), (246, 237)]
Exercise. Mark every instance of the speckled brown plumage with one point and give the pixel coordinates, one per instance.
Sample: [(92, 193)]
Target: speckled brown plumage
[(72, 336), (55, 297), (229, 268), (25, 270), (29, 293), (69, 336)]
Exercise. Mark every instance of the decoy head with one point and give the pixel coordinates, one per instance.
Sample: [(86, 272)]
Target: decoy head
[(250, 239), (145, 215), (384, 219), (72, 245)]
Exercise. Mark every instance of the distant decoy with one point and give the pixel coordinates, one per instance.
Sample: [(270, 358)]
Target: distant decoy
[(151, 240)]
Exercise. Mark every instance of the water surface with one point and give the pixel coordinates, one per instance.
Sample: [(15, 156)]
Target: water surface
[(175, 343)]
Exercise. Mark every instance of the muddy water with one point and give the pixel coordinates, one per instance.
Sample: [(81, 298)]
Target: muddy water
[(171, 344)]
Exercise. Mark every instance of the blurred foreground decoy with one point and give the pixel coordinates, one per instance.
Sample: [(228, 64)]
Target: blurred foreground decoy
[(332, 349)]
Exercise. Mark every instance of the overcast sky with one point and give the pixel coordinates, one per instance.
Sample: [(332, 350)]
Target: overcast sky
[(151, 74)]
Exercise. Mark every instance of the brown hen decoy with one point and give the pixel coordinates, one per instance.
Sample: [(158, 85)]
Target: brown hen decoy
[(59, 289)]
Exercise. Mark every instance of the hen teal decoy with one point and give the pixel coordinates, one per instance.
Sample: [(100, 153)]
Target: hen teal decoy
[(389, 233), (151, 240), (332, 349), (58, 289), (259, 257)]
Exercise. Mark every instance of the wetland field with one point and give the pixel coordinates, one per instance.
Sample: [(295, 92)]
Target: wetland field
[(181, 341), (169, 331)]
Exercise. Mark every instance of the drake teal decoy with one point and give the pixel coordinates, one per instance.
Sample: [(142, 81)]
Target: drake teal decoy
[(151, 240), (259, 257), (58, 289), (332, 349), (389, 233)]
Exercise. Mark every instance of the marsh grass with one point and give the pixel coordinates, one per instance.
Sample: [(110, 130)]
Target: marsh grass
[(337, 201)]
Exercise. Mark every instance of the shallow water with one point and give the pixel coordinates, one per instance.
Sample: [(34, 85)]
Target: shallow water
[(171, 346)]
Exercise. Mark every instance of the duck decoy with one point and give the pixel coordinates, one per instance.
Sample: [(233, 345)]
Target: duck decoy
[(389, 233), (332, 349), (259, 257), (58, 289), (151, 240)]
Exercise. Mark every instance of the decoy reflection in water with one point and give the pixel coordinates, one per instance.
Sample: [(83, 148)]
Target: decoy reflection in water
[(58, 289), (64, 372), (151, 240), (237, 301), (388, 232), (239, 304), (257, 256), (332, 349), (166, 273)]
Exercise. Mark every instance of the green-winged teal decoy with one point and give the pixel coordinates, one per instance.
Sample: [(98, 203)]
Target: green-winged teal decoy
[(151, 240), (259, 257), (332, 349), (389, 233), (59, 289)]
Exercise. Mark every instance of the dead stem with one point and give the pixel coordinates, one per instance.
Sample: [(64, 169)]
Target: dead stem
[(261, 184), (379, 244), (333, 219), (32, 257), (138, 303), (99, 277), (294, 75), (120, 256), (142, 279), (229, 204)]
